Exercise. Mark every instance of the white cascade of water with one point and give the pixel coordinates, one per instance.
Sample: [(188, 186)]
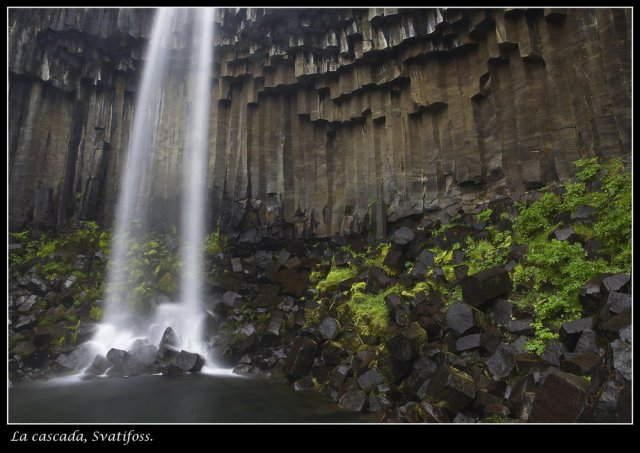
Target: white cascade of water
[(119, 328)]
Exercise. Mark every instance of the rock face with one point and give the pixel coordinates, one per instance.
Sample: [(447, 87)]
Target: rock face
[(326, 121)]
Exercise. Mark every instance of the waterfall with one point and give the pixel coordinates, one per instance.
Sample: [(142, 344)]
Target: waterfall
[(120, 328)]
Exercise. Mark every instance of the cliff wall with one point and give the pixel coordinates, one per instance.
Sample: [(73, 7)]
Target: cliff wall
[(325, 121)]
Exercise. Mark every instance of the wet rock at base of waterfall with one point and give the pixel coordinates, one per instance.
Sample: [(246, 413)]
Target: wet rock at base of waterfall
[(171, 369), (501, 362), (116, 356), (462, 318), (370, 380), (452, 386), (560, 399), (485, 285), (99, 365), (169, 338), (570, 331), (329, 328), (73, 360), (300, 357), (404, 346), (146, 354), (189, 361), (553, 353), (353, 400), (86, 331)]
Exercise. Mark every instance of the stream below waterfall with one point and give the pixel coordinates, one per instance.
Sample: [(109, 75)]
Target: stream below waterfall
[(195, 398)]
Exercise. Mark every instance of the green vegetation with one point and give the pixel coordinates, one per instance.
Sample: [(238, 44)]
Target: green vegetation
[(368, 311)]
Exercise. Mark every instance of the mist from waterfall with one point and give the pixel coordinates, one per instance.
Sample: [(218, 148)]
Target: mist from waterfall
[(120, 327)]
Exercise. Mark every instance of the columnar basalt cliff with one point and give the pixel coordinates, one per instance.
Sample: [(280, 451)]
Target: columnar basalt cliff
[(326, 121)]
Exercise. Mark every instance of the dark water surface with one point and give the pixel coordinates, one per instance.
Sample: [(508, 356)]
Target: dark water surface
[(176, 399)]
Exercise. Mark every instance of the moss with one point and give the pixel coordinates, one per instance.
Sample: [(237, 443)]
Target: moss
[(95, 313), (333, 279)]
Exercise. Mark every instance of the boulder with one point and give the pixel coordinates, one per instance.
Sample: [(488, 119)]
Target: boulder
[(116, 356), (622, 359), (581, 364), (485, 285), (501, 362), (617, 323), (267, 296), (415, 387), (99, 365), (434, 414), (37, 285), (456, 388), (329, 328), (169, 339), (338, 376), (560, 399), (592, 295), (553, 353), (27, 303), (300, 357), (189, 361), (229, 298), (526, 362), (521, 327), (331, 353), (379, 277), (378, 403), (25, 348), (617, 282), (468, 342), (353, 400), (564, 234), (393, 259), (587, 342), (294, 281), (570, 331), (584, 212), (404, 346), (74, 360), (403, 236), (463, 318), (370, 380), (275, 324), (617, 302)]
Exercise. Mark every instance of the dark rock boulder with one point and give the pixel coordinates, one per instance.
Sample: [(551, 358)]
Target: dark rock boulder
[(300, 357), (452, 386), (564, 234), (521, 327), (622, 359), (189, 361), (592, 295), (403, 236), (560, 399), (617, 323), (353, 400), (405, 345), (433, 413), (587, 342), (116, 356), (370, 380), (485, 285), (501, 362), (617, 282), (378, 277), (99, 365), (581, 364), (499, 311), (329, 328), (553, 353), (462, 318), (468, 342), (415, 387), (393, 259), (170, 338), (570, 331), (338, 376)]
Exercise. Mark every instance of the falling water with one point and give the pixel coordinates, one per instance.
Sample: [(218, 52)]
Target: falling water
[(120, 328)]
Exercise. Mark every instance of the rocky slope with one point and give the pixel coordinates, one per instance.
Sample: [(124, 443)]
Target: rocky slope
[(326, 121)]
